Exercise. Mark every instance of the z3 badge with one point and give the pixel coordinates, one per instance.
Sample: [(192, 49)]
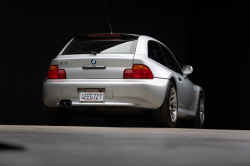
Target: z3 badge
[(63, 63)]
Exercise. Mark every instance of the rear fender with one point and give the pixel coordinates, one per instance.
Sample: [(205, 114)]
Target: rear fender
[(198, 91), (158, 70)]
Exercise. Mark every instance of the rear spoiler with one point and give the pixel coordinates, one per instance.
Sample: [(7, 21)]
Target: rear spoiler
[(108, 35)]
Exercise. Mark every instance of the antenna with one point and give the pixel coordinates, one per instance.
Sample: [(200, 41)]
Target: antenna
[(108, 18)]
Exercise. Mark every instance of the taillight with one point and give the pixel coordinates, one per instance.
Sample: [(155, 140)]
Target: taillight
[(138, 72), (55, 73)]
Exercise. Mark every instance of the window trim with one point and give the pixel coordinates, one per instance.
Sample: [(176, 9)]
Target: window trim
[(158, 44), (173, 58)]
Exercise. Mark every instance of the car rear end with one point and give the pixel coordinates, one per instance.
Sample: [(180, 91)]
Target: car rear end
[(99, 70)]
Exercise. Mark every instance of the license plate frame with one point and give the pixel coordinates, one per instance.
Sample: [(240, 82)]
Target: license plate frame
[(92, 95)]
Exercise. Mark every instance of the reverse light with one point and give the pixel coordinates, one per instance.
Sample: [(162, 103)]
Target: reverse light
[(138, 72), (55, 73)]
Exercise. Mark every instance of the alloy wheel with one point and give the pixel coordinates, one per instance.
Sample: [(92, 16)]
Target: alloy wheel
[(202, 116), (173, 104)]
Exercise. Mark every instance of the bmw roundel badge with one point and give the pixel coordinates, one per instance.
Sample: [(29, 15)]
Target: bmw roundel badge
[(93, 61)]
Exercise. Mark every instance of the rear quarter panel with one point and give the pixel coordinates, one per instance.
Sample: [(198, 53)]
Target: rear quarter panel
[(141, 57)]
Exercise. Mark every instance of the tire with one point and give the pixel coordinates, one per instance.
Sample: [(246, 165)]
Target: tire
[(198, 121), (114, 121), (166, 114), (56, 116)]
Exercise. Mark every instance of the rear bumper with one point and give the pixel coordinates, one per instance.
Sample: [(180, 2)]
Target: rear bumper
[(118, 92)]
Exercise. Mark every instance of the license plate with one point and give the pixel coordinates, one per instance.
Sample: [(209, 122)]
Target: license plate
[(92, 95)]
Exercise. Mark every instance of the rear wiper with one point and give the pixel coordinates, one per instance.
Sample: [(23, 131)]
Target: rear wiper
[(84, 52)]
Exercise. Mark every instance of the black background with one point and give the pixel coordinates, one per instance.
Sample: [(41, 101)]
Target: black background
[(211, 37)]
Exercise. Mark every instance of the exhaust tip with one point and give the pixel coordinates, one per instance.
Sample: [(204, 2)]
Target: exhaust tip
[(61, 104), (68, 104), (65, 103)]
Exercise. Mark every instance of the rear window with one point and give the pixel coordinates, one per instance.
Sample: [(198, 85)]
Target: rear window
[(101, 46)]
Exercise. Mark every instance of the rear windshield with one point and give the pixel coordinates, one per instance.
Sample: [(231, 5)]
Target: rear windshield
[(101, 46)]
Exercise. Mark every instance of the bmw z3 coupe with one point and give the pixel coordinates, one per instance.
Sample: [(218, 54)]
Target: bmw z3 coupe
[(121, 73)]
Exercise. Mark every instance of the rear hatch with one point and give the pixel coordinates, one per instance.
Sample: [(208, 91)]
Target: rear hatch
[(98, 56)]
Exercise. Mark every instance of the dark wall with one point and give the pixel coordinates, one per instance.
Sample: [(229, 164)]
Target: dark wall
[(208, 37), (217, 48)]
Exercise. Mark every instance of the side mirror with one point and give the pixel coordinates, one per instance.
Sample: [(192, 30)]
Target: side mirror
[(186, 70)]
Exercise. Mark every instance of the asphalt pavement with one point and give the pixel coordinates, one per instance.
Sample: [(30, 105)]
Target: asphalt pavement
[(130, 146)]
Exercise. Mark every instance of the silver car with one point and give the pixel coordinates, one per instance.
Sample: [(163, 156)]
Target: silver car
[(121, 73)]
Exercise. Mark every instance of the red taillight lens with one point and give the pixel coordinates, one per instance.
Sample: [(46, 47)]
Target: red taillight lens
[(55, 73), (138, 72)]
